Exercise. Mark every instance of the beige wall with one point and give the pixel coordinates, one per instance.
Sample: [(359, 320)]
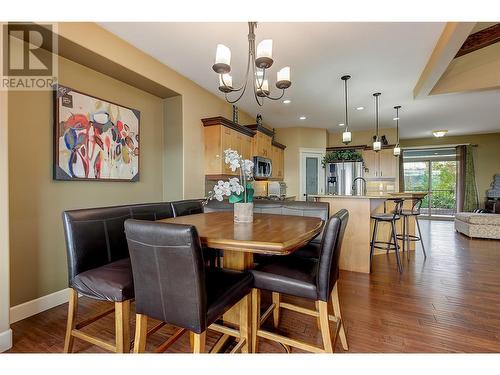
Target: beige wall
[(363, 137), (197, 103), (5, 332), (294, 139), (486, 155), (38, 255)]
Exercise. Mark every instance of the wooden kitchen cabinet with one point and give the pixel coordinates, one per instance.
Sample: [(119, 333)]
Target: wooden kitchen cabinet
[(380, 164), (278, 160), (221, 134), (262, 141)]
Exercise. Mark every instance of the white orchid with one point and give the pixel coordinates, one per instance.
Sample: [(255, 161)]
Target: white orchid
[(233, 186)]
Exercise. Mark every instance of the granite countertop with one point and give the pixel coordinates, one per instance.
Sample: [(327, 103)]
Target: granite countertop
[(372, 195)]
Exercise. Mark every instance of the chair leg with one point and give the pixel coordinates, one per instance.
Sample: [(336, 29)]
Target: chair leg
[(72, 311), (199, 342), (245, 328), (338, 315), (318, 323), (421, 238), (122, 326), (372, 245), (141, 330), (255, 318), (408, 233), (396, 247), (405, 228), (325, 326), (276, 311)]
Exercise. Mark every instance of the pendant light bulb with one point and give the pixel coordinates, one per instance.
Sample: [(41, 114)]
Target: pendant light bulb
[(397, 149)]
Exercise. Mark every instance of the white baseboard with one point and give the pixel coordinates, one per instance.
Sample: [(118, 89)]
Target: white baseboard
[(36, 306), (5, 340)]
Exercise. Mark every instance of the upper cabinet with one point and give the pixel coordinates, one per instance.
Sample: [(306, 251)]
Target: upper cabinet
[(278, 158), (221, 134), (382, 164), (249, 141), (262, 141)]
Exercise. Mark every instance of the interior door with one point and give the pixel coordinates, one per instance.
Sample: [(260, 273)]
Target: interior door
[(312, 174)]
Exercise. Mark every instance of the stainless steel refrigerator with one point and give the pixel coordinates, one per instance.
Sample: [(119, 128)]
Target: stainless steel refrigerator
[(339, 178)]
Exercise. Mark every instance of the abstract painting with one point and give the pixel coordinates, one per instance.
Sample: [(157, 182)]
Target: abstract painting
[(95, 140)]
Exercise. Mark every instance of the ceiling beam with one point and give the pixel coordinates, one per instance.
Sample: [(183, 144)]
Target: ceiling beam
[(480, 39), (449, 43)]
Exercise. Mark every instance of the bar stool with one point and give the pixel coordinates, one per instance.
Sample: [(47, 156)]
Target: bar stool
[(391, 218), (406, 237)]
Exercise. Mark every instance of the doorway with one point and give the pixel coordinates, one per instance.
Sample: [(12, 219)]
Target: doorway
[(311, 173), (432, 171)]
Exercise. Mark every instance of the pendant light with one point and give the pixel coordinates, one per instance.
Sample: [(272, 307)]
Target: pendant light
[(377, 145), (346, 135), (397, 149)]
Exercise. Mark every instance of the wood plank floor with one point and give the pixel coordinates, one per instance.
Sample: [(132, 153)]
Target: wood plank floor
[(447, 303)]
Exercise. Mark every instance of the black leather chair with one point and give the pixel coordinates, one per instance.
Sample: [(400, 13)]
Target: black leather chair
[(99, 266), (172, 284), (310, 278), (188, 207)]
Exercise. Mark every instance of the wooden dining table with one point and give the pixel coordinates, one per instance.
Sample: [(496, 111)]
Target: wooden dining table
[(267, 234)]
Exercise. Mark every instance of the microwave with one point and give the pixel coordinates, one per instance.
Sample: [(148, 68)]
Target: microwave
[(262, 168)]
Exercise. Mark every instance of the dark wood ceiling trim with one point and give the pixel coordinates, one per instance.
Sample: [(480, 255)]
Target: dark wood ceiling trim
[(481, 39), (277, 144), (262, 129), (219, 120)]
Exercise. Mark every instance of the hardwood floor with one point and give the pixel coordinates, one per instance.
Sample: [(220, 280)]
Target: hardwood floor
[(447, 303)]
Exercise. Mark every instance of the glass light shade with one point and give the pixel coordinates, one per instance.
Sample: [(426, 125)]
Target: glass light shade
[(265, 85), (377, 146), (228, 80), (265, 48), (284, 74), (223, 55), (346, 137), (397, 151)]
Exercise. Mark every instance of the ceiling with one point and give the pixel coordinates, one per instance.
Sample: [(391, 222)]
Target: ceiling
[(386, 57)]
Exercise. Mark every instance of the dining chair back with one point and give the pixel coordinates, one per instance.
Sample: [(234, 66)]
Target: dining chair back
[(169, 273), (331, 244), (172, 284)]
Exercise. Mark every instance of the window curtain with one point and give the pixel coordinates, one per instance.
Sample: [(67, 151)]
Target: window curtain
[(466, 190)]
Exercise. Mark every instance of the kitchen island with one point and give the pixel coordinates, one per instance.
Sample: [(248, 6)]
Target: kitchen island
[(355, 254)]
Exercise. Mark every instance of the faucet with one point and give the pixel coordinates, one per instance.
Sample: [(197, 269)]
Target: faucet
[(353, 187)]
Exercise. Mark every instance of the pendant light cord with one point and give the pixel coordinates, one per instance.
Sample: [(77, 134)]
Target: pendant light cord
[(346, 112), (376, 114)]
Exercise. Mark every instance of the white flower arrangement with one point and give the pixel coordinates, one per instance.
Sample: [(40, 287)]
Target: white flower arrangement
[(236, 191)]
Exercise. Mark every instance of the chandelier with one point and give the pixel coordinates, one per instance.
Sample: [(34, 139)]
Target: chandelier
[(259, 60)]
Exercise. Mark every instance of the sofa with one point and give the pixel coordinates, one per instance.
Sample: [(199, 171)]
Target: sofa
[(478, 225)]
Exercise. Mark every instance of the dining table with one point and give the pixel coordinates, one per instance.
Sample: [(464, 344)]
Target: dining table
[(268, 234)]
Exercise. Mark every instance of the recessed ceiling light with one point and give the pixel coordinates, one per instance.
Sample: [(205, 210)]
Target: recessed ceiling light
[(302, 117), (360, 108), (341, 124), (287, 101), (396, 118), (439, 133)]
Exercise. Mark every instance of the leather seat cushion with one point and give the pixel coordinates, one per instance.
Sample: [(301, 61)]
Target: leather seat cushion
[(287, 274), (384, 217), (111, 282), (311, 250), (224, 289)]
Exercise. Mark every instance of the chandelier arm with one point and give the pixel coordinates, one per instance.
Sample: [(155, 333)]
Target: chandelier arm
[(259, 84), (243, 89), (243, 85), (255, 92), (276, 98)]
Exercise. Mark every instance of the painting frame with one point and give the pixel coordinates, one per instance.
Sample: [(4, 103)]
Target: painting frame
[(59, 173)]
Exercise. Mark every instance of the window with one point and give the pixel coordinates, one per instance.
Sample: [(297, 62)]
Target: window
[(433, 171)]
